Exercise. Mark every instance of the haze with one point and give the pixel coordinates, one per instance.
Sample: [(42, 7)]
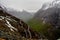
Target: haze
[(28, 5)]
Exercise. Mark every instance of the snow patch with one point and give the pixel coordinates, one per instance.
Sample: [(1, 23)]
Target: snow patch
[(10, 26), (55, 3), (1, 17)]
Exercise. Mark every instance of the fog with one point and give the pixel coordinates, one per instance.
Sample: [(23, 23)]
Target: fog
[(29, 5)]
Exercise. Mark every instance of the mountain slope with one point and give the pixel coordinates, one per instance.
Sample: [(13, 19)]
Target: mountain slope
[(47, 20), (12, 28)]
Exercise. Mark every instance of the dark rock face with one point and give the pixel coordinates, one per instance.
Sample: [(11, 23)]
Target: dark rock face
[(12, 28)]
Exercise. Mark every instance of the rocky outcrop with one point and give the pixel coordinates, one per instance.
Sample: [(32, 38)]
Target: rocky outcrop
[(12, 28)]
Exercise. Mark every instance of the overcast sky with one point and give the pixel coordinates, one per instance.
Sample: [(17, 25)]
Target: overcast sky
[(29, 5)]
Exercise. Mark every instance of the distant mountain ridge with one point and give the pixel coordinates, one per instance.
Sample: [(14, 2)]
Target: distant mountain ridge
[(50, 13), (24, 15), (54, 3)]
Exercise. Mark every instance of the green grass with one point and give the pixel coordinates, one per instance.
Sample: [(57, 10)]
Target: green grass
[(38, 25), (44, 29)]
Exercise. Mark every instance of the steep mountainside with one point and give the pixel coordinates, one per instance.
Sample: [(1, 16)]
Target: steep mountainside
[(51, 14), (47, 20), (12, 28)]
